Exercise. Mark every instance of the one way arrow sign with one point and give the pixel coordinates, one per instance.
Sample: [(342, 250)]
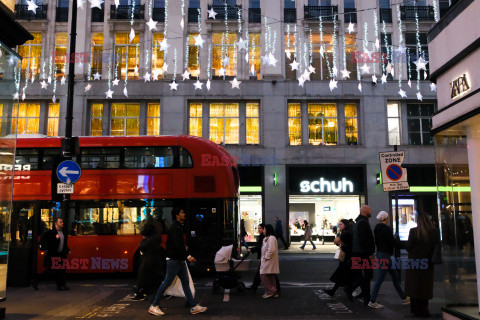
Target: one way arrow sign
[(69, 171)]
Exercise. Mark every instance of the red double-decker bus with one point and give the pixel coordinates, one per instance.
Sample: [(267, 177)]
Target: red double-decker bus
[(124, 179)]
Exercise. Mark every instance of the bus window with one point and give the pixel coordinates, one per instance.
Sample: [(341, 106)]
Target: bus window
[(100, 158), (185, 158), (48, 158), (27, 157), (149, 157)]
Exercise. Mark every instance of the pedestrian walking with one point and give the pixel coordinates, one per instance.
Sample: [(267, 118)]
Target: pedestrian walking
[(258, 250), (176, 265), (269, 265), (343, 274), (386, 243), (279, 232), (419, 282), (308, 235), (54, 243), (243, 234), (363, 248)]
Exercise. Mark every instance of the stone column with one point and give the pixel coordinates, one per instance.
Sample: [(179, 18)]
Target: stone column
[(174, 38)]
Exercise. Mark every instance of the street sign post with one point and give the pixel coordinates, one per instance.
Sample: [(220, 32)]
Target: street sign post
[(69, 172), (394, 176)]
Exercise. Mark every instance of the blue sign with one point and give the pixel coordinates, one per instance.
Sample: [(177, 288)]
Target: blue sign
[(69, 171), (394, 172)]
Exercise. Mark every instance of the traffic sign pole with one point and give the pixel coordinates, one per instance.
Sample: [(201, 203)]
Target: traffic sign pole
[(397, 224)]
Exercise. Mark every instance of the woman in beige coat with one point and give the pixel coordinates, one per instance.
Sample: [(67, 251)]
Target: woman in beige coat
[(269, 265)]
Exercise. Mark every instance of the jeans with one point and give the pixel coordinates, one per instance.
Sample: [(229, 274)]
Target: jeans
[(363, 280), (175, 268), (305, 243), (244, 243), (381, 276)]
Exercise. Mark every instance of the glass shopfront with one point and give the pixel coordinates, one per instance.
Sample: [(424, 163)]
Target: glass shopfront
[(323, 196), (251, 199)]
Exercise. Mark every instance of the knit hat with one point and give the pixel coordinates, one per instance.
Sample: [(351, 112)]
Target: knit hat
[(382, 215)]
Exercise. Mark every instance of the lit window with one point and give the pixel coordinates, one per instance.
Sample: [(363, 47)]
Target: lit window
[(97, 51), (322, 124), (393, 114), (31, 52), (96, 119), (195, 119), (53, 117), (254, 55), (153, 119), (61, 54), (419, 118), (323, 65), (414, 53), (125, 119), (157, 56), (294, 124), (350, 49), (290, 45), (28, 120), (126, 56), (253, 123), (193, 56), (351, 125), (224, 123), (223, 48)]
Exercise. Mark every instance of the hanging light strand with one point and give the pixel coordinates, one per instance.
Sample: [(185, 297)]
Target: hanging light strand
[(400, 41), (335, 40)]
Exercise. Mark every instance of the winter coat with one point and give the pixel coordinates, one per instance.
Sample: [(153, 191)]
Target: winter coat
[(384, 239), (418, 282), (49, 242), (278, 228), (363, 242), (176, 246), (150, 272), (308, 233), (269, 263)]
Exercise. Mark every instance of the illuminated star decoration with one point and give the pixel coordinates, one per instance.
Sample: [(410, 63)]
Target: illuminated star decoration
[(350, 28), (333, 84), (306, 75), (165, 68), (264, 59), (164, 45), (80, 4), (242, 44), (433, 86), (135, 70), (272, 61), (421, 64), (16, 95), (345, 73), (208, 85), (131, 35), (401, 49), (33, 78), (301, 81), (198, 85), (32, 6), (335, 71), (211, 13), (186, 75), (252, 70), (289, 54), (62, 81), (402, 93), (384, 78), (182, 24), (97, 76), (23, 96), (322, 51), (311, 69), (247, 57), (11, 61), (226, 61), (221, 72), (117, 3), (199, 41), (54, 99), (374, 79), (409, 83), (419, 96), (96, 4), (44, 84), (235, 83), (147, 76), (294, 65), (365, 68), (152, 25), (359, 87), (108, 94), (377, 43), (125, 91), (49, 79), (88, 87), (155, 74), (173, 85), (115, 82)]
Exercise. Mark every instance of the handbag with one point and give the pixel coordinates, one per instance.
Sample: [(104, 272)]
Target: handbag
[(176, 288), (437, 254), (340, 255)]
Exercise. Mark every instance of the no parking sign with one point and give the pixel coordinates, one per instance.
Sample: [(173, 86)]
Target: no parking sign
[(394, 176)]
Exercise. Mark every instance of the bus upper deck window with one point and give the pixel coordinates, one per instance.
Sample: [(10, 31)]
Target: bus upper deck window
[(27, 157), (185, 159), (100, 158)]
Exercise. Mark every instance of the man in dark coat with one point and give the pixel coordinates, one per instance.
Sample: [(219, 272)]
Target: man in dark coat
[(363, 248), (279, 232), (54, 242)]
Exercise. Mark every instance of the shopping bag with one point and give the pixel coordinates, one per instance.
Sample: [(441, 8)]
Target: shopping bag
[(340, 254), (176, 288)]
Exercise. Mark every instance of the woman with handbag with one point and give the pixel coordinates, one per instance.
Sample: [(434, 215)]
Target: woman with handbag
[(343, 274), (386, 243), (308, 235), (423, 243)]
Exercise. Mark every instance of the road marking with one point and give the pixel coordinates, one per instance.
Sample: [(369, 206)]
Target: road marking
[(338, 307), (226, 295)]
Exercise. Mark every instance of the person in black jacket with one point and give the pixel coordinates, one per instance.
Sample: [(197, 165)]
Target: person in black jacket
[(54, 243), (258, 249), (363, 249), (243, 234), (385, 246), (176, 265)]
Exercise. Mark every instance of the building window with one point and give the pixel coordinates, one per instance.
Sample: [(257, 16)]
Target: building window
[(294, 124), (290, 45), (387, 52), (253, 127), (153, 119), (60, 54), (224, 123), (157, 56), (322, 65), (350, 49), (125, 119), (289, 4), (28, 121), (194, 4), (53, 118), (195, 119), (126, 56), (96, 119), (393, 114), (351, 124), (97, 51), (31, 53), (322, 124), (414, 53), (254, 55), (224, 55), (419, 118), (193, 56)]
